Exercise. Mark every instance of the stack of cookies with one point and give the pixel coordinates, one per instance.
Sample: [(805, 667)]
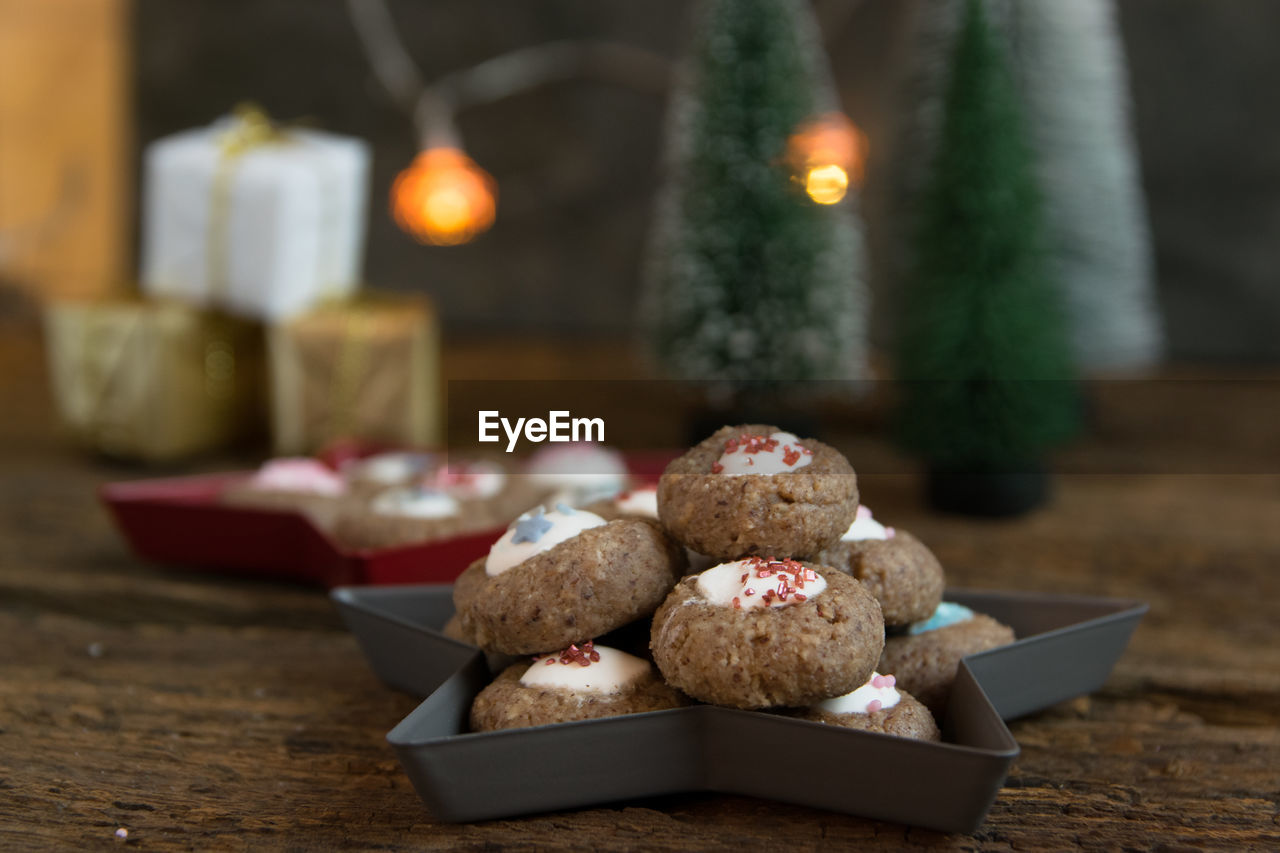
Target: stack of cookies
[(401, 498), (790, 613)]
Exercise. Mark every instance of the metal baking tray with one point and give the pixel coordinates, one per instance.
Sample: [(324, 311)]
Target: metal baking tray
[(464, 776)]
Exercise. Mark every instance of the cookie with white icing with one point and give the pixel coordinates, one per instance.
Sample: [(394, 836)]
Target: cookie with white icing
[(560, 577), (576, 474), (409, 514), (878, 705), (381, 471), (293, 484), (754, 490), (759, 633), (926, 656), (899, 570), (637, 502), (583, 682)]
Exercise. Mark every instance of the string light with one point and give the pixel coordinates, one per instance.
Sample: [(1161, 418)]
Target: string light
[(827, 156), (444, 198)]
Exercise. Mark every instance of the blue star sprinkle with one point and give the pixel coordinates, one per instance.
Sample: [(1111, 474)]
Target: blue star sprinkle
[(531, 527), (564, 509)]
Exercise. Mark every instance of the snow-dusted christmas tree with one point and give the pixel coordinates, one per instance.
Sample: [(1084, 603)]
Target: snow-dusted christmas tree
[(1068, 62), (749, 280)]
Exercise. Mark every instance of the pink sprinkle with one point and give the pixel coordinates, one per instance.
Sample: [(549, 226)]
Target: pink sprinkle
[(122, 833), (873, 706), (863, 512), (889, 532), (890, 680)]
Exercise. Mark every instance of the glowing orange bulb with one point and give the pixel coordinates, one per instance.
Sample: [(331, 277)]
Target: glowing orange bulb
[(444, 198), (827, 155), (826, 184)]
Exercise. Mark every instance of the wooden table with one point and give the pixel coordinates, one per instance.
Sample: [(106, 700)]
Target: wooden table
[(201, 712)]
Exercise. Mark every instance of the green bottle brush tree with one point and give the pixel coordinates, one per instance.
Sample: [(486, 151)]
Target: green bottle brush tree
[(983, 356)]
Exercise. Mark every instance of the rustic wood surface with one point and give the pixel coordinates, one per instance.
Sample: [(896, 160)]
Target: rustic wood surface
[(201, 712)]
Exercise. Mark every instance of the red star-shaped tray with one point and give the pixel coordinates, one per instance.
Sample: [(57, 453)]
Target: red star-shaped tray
[(1068, 647)]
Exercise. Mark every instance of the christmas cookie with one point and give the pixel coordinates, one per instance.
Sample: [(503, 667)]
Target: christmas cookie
[(407, 514), (640, 502), (895, 566), (926, 657), (454, 630), (757, 633), (755, 490), (576, 474), (484, 485), (877, 706), (559, 577), (382, 471), (298, 484), (580, 683)]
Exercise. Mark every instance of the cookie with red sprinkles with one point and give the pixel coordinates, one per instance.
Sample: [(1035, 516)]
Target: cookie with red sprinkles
[(753, 489), (580, 682), (763, 632)]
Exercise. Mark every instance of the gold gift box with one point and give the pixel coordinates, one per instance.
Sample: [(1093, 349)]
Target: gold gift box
[(367, 370), (154, 380)]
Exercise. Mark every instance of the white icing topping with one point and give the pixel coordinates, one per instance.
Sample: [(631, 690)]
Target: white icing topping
[(414, 502), (877, 694), (392, 469), (306, 476), (470, 480), (641, 502), (612, 672), (756, 582), (866, 527), (776, 454), (537, 531), (586, 472)]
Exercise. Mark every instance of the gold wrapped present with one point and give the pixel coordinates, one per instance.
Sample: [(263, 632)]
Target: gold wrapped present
[(368, 370), (154, 380)]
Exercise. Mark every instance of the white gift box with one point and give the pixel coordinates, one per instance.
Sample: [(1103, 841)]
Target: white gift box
[(264, 226)]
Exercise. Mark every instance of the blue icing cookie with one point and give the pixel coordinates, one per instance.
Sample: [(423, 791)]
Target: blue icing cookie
[(948, 613)]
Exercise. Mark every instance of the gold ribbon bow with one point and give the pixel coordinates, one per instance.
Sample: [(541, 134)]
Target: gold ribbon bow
[(250, 128)]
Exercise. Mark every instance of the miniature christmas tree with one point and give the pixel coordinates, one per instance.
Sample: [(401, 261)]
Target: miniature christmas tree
[(1068, 65), (750, 280), (982, 349)]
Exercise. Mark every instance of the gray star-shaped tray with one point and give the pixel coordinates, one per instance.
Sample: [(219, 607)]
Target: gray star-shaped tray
[(1068, 647)]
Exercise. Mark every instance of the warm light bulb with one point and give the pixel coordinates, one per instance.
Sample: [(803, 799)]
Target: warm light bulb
[(826, 184), (827, 155), (444, 198)]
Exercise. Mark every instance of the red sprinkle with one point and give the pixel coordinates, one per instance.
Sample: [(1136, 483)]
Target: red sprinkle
[(790, 456), (583, 656), (737, 605), (716, 468)]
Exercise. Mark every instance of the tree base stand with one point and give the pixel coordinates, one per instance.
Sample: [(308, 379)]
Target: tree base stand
[(990, 494)]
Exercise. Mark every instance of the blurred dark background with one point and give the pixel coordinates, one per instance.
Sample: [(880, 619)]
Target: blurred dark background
[(576, 162)]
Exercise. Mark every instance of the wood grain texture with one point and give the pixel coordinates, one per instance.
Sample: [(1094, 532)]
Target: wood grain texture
[(208, 713)]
